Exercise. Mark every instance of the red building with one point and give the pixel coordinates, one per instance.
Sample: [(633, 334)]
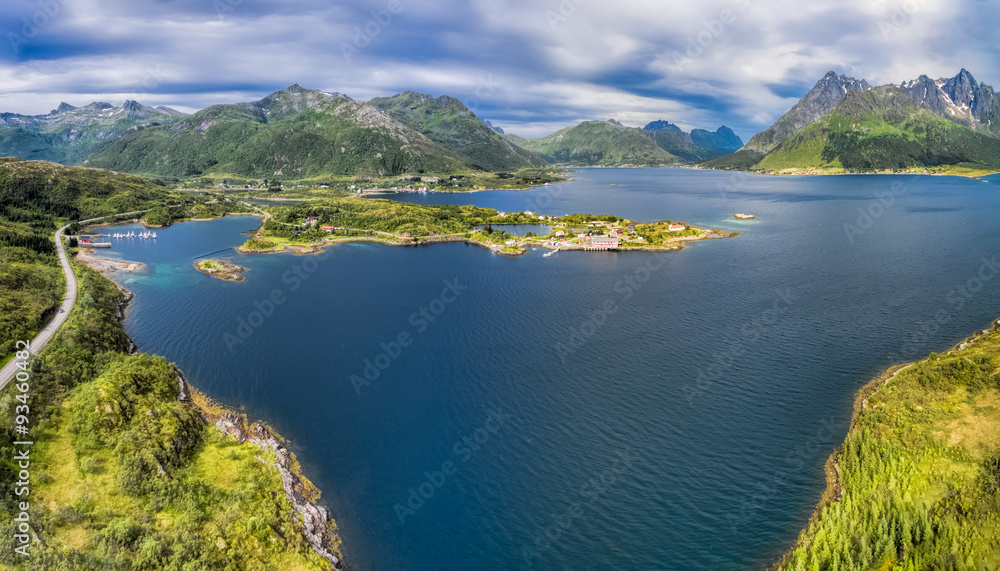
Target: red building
[(601, 243)]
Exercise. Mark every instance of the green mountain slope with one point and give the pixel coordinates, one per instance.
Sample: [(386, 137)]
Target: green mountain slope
[(445, 120), (291, 134), (879, 129), (599, 143), (124, 473), (36, 197), (36, 194), (916, 484), (68, 134), (824, 96)]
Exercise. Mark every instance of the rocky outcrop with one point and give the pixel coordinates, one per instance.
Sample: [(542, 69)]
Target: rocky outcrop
[(120, 307), (319, 529)]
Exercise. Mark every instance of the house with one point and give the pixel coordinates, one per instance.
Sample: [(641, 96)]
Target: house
[(601, 243), (560, 233), (312, 219), (328, 228), (510, 243), (677, 227)]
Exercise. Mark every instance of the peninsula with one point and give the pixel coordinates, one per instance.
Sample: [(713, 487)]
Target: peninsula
[(916, 483), (305, 228)]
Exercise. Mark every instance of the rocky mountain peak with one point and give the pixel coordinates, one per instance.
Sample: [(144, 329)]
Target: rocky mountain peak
[(661, 125), (962, 89), (492, 126), (824, 96)]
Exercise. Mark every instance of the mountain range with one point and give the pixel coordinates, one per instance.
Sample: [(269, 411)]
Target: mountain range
[(69, 134), (841, 124), (844, 123), (609, 143), (299, 133)]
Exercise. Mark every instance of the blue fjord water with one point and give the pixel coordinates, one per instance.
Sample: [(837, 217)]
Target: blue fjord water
[(585, 410)]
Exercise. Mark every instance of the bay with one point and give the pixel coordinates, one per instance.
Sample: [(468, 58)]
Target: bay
[(628, 410)]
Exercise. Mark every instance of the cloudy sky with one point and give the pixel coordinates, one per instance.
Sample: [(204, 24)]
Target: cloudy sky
[(530, 66)]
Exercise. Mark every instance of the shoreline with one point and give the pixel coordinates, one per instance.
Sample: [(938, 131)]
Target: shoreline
[(834, 490), (808, 173), (221, 269), (676, 244), (319, 528), (106, 266)]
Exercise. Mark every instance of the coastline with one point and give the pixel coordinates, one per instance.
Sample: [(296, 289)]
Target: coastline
[(320, 530), (221, 269), (813, 172), (316, 248), (106, 266), (833, 490)]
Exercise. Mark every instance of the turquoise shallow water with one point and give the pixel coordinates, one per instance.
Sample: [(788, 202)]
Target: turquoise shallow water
[(626, 410)]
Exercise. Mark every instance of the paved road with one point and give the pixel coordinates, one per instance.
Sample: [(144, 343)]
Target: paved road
[(45, 335)]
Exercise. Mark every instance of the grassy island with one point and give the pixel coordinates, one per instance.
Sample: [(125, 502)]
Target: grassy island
[(221, 269), (916, 484), (307, 227)]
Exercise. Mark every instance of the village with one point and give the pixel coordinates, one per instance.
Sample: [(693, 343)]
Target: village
[(571, 232)]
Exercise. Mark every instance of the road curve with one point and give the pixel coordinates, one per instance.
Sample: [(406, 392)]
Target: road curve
[(45, 335)]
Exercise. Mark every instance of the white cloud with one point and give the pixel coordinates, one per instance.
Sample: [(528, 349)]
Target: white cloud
[(594, 60)]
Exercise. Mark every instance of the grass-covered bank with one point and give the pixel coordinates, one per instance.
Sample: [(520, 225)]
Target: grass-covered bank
[(917, 481), (306, 228), (125, 475)]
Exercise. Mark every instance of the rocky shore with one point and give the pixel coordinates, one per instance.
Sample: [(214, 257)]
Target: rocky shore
[(319, 528), (221, 269), (107, 266)]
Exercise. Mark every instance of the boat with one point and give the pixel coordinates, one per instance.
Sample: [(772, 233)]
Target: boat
[(154, 235)]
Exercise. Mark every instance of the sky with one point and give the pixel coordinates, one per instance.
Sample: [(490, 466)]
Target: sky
[(529, 66)]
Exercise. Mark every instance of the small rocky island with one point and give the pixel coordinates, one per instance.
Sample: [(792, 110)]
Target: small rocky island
[(744, 216), (221, 269)]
